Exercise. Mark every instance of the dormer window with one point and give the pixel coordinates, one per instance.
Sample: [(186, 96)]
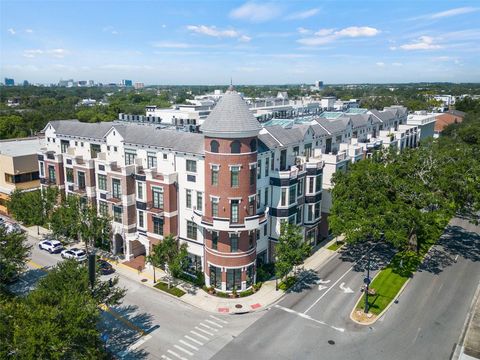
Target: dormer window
[(253, 145), (235, 147), (214, 146)]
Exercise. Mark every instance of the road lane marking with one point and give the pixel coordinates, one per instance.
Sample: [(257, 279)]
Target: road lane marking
[(214, 323), (122, 319), (322, 287), (182, 349), (322, 281), (199, 335), (36, 266), (176, 355), (188, 344), (204, 331), (346, 290), (194, 340), (416, 336), (208, 327), (165, 357), (338, 280), (308, 317), (139, 342), (216, 318)]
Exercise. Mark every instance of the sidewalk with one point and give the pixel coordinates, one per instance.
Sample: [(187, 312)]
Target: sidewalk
[(262, 299)]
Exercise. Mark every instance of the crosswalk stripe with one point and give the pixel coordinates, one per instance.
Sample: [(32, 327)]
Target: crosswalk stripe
[(214, 323), (176, 355), (199, 335), (195, 341), (208, 327), (204, 331), (216, 318), (188, 344), (165, 357), (184, 350)]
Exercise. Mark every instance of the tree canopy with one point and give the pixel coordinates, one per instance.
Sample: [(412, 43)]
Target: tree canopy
[(290, 250), (14, 253), (170, 255)]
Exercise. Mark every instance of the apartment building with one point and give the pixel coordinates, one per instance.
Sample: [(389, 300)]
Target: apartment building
[(224, 191), (18, 167)]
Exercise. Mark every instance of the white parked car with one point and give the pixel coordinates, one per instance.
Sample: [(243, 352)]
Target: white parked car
[(74, 253), (52, 246)]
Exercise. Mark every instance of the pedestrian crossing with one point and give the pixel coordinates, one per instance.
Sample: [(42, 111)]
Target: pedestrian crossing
[(186, 348)]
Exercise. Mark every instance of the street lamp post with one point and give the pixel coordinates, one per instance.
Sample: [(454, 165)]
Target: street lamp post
[(367, 283), (276, 277)]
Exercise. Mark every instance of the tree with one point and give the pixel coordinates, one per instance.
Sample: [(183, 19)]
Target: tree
[(290, 250), (59, 319), (14, 253), (170, 255), (33, 207)]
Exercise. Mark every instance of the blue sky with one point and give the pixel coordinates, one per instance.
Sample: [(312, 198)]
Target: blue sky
[(254, 42)]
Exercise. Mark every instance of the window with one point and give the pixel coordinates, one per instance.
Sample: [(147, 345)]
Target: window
[(117, 214), (317, 210), (300, 187), (233, 242), (116, 189), (318, 183), (141, 220), (253, 174), (267, 165), (265, 197), (291, 219), (130, 157), (283, 201), (189, 199), (300, 214), (69, 173), (115, 149), (308, 150), (42, 169), (234, 176), (234, 211), (272, 164), (165, 156), (249, 278), (265, 230), (103, 208), (94, 150), (151, 160), (215, 277), (253, 145), (235, 147), (102, 182), (81, 180), (199, 201), (259, 169), (139, 190), (191, 230), (64, 144), (214, 207), (251, 205), (157, 225), (157, 197), (214, 240), (250, 240), (310, 184), (192, 166), (259, 198), (234, 279), (51, 173), (310, 213), (215, 175), (292, 194), (295, 151), (214, 145)]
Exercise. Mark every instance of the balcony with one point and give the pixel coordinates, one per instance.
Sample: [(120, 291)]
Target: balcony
[(223, 224), (114, 198), (153, 208), (80, 190)]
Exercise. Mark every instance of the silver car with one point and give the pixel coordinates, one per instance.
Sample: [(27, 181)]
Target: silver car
[(74, 253)]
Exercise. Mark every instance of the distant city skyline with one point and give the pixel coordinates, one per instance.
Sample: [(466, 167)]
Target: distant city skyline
[(209, 42)]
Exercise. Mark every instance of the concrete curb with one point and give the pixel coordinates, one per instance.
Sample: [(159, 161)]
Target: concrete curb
[(374, 320)]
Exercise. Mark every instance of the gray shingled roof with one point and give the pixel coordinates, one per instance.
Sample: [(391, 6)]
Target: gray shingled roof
[(268, 140), (231, 116), (359, 120), (332, 126), (164, 138), (80, 129), (318, 130)]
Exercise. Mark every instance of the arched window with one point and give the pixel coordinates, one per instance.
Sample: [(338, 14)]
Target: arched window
[(214, 146), (235, 147), (253, 145)]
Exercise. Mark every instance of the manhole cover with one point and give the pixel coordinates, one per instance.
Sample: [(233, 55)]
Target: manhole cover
[(331, 342), (238, 306), (144, 280)]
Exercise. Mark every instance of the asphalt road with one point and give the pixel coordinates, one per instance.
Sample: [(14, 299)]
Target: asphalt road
[(150, 324), (313, 321)]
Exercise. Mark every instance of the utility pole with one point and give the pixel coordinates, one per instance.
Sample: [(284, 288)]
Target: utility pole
[(367, 282)]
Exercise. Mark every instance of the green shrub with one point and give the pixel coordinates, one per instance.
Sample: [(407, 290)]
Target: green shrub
[(257, 286), (198, 279), (265, 272), (246, 293), (287, 283), (222, 294), (173, 290)]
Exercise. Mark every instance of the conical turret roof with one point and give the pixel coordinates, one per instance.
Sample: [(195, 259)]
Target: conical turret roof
[(231, 118)]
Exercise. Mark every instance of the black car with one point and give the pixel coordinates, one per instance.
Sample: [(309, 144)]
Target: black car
[(105, 267)]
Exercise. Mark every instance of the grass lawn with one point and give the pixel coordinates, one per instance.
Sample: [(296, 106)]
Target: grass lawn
[(287, 283), (387, 284), (335, 246), (173, 290)]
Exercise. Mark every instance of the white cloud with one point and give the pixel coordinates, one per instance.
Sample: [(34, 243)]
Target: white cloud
[(303, 14), (29, 31), (397, 64), (303, 30), (380, 63), (453, 12), (256, 12), (215, 32), (325, 36), (57, 53), (110, 29), (11, 31), (32, 53), (422, 43)]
